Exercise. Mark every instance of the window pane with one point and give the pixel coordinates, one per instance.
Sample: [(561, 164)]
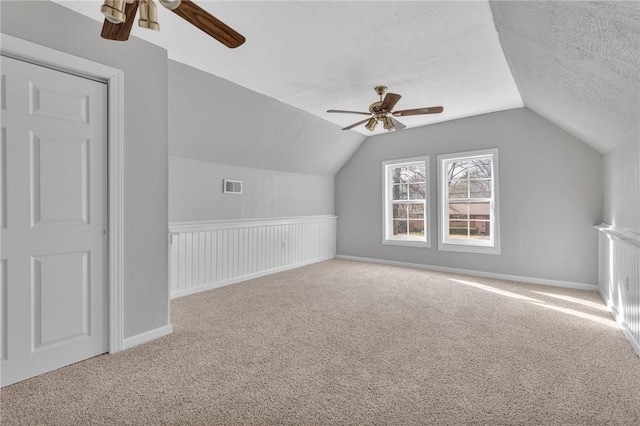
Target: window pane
[(480, 168), (417, 191), (480, 188), (400, 191), (416, 228), (399, 211), (397, 174), (484, 229), (461, 209), (416, 211), (480, 218), (457, 170), (399, 227), (413, 174), (416, 174), (458, 229), (480, 210), (405, 176), (458, 189)]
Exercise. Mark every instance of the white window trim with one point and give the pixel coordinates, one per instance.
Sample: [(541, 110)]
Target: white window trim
[(386, 207), (443, 208)]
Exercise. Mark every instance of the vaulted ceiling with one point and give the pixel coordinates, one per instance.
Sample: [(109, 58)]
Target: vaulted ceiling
[(575, 63)]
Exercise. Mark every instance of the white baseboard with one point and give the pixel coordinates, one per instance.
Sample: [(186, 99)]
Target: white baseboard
[(209, 286), (147, 336), (605, 299), (530, 280), (623, 326), (632, 341)]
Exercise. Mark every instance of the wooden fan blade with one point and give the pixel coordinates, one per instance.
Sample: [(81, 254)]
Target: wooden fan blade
[(348, 112), (356, 124), (389, 101), (398, 125), (120, 32), (208, 23), (418, 111)]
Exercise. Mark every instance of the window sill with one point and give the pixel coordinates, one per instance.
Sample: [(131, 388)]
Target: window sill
[(469, 248), (407, 243)]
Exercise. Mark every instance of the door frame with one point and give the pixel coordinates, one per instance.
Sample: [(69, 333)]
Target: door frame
[(114, 78)]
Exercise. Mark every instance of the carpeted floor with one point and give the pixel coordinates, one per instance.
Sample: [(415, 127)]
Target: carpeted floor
[(351, 343)]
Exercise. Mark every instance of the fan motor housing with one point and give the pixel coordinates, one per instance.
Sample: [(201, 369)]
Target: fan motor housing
[(374, 108)]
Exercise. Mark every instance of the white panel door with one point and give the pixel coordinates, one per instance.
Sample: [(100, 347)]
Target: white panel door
[(53, 219)]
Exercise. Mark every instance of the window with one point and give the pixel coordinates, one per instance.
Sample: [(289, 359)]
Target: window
[(406, 211), (468, 189)]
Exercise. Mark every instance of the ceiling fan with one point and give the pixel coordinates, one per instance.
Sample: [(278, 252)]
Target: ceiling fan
[(380, 110), (120, 15)]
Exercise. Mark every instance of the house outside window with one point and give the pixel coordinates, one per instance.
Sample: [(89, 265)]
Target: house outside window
[(406, 208), (468, 202)]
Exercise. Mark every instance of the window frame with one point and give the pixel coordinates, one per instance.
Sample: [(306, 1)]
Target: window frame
[(387, 206), (469, 246)]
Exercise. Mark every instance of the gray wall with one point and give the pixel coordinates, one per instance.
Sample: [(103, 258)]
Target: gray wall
[(218, 130), (550, 196), (195, 192), (622, 185), (145, 146)]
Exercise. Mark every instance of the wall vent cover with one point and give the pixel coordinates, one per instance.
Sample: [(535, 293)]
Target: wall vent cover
[(232, 186)]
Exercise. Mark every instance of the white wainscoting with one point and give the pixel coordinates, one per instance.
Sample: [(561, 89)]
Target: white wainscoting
[(619, 279), (205, 255)]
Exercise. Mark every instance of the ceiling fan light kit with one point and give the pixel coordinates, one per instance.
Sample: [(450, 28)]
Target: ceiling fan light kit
[(381, 109), (120, 15), (170, 4), (148, 15), (113, 11), (387, 123), (371, 124)]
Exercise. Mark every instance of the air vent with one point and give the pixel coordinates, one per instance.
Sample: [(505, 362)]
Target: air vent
[(232, 186)]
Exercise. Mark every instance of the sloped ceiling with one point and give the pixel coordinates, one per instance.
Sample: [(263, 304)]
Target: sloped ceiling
[(576, 64), (212, 119), (317, 56)]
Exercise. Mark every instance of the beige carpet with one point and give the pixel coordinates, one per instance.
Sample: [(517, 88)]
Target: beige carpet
[(345, 343)]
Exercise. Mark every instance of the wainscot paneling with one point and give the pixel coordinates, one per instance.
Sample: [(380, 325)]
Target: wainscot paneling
[(619, 278), (205, 255)]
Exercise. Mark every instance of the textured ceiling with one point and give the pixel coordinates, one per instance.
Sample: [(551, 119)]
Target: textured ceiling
[(316, 56), (577, 64)]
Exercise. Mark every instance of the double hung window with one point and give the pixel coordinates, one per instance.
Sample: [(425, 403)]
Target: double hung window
[(406, 207), (468, 202)]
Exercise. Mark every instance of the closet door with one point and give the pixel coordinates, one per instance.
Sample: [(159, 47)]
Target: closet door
[(53, 220)]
